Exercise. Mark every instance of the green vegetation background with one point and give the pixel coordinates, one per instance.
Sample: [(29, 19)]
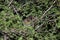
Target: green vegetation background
[(11, 22)]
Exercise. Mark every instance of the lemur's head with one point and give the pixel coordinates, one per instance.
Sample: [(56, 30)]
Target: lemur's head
[(30, 20), (27, 20)]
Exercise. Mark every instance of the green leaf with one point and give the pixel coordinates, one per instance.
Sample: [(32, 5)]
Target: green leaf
[(30, 38), (20, 38), (58, 25)]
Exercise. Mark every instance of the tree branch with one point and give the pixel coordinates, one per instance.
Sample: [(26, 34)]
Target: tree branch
[(44, 14), (10, 2)]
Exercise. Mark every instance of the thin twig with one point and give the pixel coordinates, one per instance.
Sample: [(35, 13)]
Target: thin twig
[(5, 37), (44, 23), (27, 3), (12, 6), (10, 3), (44, 14), (39, 26), (15, 10)]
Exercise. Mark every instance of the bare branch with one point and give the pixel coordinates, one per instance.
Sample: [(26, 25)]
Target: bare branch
[(12, 6), (44, 14), (44, 23), (27, 3), (5, 37), (15, 10), (10, 3), (39, 26)]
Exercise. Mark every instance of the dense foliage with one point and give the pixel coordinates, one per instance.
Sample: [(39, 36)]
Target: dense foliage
[(46, 26)]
